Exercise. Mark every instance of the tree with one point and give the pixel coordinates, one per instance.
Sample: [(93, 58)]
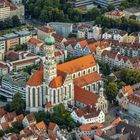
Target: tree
[(1, 133), (18, 126), (41, 116), (15, 21), (111, 91), (72, 35), (18, 104), (110, 7), (62, 117), (8, 107)]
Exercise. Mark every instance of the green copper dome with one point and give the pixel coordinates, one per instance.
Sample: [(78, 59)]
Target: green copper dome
[(49, 40)]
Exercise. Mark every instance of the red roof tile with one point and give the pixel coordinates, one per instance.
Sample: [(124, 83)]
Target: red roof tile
[(91, 126), (84, 96), (5, 125), (51, 126), (76, 65), (36, 79), (87, 79), (41, 126)]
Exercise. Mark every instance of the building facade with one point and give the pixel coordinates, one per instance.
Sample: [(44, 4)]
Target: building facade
[(105, 3), (54, 84)]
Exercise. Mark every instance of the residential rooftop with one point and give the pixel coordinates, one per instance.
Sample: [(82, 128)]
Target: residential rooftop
[(11, 35)]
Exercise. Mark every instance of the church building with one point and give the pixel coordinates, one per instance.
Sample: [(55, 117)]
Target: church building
[(54, 84)]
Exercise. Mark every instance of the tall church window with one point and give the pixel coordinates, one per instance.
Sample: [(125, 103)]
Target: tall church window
[(58, 95), (46, 90), (69, 91), (65, 91), (42, 94), (54, 97), (29, 96), (38, 96), (33, 92)]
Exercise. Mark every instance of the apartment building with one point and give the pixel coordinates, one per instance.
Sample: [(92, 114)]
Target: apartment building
[(89, 31), (2, 47), (105, 3), (13, 83), (9, 9), (4, 11), (12, 40), (24, 36), (62, 28), (82, 3)]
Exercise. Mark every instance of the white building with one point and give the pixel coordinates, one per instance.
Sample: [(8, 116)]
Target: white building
[(63, 29), (24, 36), (13, 83), (9, 9), (88, 114), (88, 31), (2, 48), (115, 34)]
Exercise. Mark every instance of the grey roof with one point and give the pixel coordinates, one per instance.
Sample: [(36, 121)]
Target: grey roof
[(117, 31), (18, 79), (11, 35), (127, 128), (133, 10), (23, 33), (2, 38)]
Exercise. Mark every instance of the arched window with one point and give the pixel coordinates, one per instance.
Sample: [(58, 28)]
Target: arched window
[(88, 70), (73, 75), (33, 99), (79, 74), (84, 72)]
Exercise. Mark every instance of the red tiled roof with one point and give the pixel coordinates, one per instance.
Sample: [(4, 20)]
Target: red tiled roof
[(24, 61), (99, 132), (3, 65), (9, 116), (46, 29), (116, 13), (5, 125), (116, 121), (51, 126), (20, 117), (41, 126), (56, 82), (51, 135), (58, 37), (76, 65), (31, 118), (84, 96), (91, 126), (127, 89), (34, 41), (83, 43), (85, 137), (110, 54), (36, 79), (134, 99), (87, 112), (87, 79)]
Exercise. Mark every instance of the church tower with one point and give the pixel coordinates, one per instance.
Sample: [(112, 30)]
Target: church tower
[(50, 65)]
